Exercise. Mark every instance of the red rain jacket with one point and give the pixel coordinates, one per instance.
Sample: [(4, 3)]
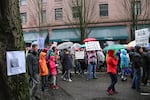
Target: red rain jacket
[(111, 62)]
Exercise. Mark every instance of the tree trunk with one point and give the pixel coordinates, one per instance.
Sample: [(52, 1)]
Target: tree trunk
[(11, 38)]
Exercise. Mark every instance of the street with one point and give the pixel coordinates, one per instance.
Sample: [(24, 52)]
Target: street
[(94, 89)]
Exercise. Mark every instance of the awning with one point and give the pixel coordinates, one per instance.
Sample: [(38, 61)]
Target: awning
[(29, 37), (109, 33), (60, 35)]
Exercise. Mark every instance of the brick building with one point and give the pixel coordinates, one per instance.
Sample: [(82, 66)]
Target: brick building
[(108, 20)]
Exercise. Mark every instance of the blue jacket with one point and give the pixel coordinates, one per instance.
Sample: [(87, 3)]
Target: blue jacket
[(124, 60)]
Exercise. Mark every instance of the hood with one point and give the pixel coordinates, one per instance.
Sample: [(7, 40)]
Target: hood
[(42, 55), (137, 48), (123, 51), (52, 58), (111, 53)]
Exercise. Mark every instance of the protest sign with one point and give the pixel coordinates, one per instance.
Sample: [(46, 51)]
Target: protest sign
[(40, 42), (79, 55), (15, 62), (142, 37), (93, 45)]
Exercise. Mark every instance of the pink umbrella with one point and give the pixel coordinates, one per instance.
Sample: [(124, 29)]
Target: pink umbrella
[(89, 39)]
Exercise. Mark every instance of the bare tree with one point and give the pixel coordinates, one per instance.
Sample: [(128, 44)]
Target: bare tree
[(83, 14), (136, 12), (11, 39), (38, 16)]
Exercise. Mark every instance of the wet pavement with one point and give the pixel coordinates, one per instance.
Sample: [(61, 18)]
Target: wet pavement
[(94, 89)]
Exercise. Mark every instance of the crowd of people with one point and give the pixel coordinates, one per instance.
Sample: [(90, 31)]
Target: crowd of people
[(43, 66)]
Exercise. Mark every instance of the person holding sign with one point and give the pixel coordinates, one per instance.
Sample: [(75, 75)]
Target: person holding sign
[(92, 62)]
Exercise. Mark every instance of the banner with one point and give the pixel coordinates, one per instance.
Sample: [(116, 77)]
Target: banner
[(93, 45), (15, 62), (142, 37), (79, 55), (40, 42)]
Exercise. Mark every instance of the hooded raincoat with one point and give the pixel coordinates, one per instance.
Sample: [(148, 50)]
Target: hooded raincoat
[(42, 63), (111, 62), (124, 60), (53, 69)]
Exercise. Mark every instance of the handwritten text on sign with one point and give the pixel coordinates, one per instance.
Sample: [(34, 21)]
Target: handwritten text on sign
[(79, 55), (93, 45), (142, 37)]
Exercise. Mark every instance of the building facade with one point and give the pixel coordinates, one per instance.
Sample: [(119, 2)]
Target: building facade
[(62, 20)]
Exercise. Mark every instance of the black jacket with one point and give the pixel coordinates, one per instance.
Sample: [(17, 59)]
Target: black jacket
[(137, 60), (33, 63)]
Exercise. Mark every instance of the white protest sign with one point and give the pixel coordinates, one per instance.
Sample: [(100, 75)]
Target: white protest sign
[(55, 44), (142, 37), (40, 42), (15, 62), (93, 45), (79, 55)]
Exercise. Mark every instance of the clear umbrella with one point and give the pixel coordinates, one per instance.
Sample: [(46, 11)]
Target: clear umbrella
[(65, 45)]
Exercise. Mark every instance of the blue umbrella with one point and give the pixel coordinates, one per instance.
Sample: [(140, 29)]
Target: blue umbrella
[(114, 47)]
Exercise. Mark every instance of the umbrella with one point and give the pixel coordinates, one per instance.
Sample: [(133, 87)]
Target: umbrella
[(89, 39), (114, 47), (132, 44), (83, 46), (76, 45), (65, 45)]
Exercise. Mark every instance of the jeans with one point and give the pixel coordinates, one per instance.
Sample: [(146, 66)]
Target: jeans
[(123, 72), (35, 85), (53, 81), (67, 74), (91, 67), (136, 79), (44, 80), (113, 81), (145, 76)]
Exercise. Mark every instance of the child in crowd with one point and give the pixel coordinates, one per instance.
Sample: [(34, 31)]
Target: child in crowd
[(43, 70), (53, 71)]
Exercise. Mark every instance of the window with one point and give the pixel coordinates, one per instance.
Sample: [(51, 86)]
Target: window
[(103, 9), (58, 14), (23, 17), (58, 0), (75, 11), (43, 16), (137, 7), (43, 1), (23, 2)]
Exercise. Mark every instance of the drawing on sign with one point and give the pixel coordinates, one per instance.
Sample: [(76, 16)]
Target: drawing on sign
[(15, 62)]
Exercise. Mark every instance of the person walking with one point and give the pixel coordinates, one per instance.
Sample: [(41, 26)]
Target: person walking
[(92, 63), (111, 63), (43, 71), (67, 63), (33, 71), (124, 63), (137, 63)]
